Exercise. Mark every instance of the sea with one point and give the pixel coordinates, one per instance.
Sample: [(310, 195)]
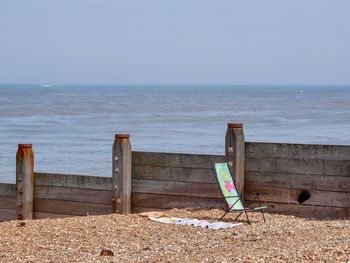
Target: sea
[(72, 127)]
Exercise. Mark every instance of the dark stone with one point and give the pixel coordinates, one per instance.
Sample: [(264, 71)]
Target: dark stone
[(106, 252), (20, 224)]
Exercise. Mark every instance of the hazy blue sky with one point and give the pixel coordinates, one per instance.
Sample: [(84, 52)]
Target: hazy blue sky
[(175, 42)]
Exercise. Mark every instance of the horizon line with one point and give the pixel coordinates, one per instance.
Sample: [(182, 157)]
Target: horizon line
[(174, 85)]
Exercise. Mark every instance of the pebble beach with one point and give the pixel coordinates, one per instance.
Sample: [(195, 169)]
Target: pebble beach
[(132, 238)]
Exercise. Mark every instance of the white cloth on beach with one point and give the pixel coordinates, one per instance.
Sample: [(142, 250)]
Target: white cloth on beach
[(193, 222)]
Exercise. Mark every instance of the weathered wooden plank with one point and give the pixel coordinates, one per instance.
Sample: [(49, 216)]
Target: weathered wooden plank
[(285, 195), (235, 153), (73, 194), (173, 174), (70, 208), (301, 166), (173, 201), (8, 189), (25, 181), (176, 188), (7, 202), (7, 214), (39, 215), (299, 181), (70, 180), (122, 174), (176, 159), (299, 151), (308, 211)]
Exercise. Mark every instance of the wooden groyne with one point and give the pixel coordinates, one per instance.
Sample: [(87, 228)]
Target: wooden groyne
[(301, 179)]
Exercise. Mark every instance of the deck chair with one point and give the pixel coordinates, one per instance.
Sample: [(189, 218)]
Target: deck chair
[(234, 201)]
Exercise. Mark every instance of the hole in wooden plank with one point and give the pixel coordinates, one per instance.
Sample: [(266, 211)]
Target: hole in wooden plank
[(303, 196)]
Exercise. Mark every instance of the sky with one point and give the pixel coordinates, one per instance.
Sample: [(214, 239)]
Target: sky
[(175, 42)]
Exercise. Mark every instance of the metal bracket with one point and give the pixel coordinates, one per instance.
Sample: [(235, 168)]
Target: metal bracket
[(19, 188)]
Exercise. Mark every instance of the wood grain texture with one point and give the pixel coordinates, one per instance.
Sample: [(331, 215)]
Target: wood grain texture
[(7, 202), (121, 180), (77, 181), (25, 181), (7, 214), (299, 181), (7, 189), (290, 196), (235, 156), (170, 180), (308, 211), (298, 151), (298, 166), (176, 159), (70, 207), (176, 188), (73, 194), (173, 174), (173, 201)]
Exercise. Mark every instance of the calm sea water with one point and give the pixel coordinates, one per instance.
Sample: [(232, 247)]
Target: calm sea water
[(72, 127)]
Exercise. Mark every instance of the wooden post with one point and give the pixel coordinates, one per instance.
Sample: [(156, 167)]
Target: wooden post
[(235, 153), (24, 182), (121, 180)]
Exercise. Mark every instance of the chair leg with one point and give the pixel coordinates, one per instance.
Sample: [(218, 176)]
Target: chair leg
[(262, 212), (246, 214), (223, 215), (237, 217)]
